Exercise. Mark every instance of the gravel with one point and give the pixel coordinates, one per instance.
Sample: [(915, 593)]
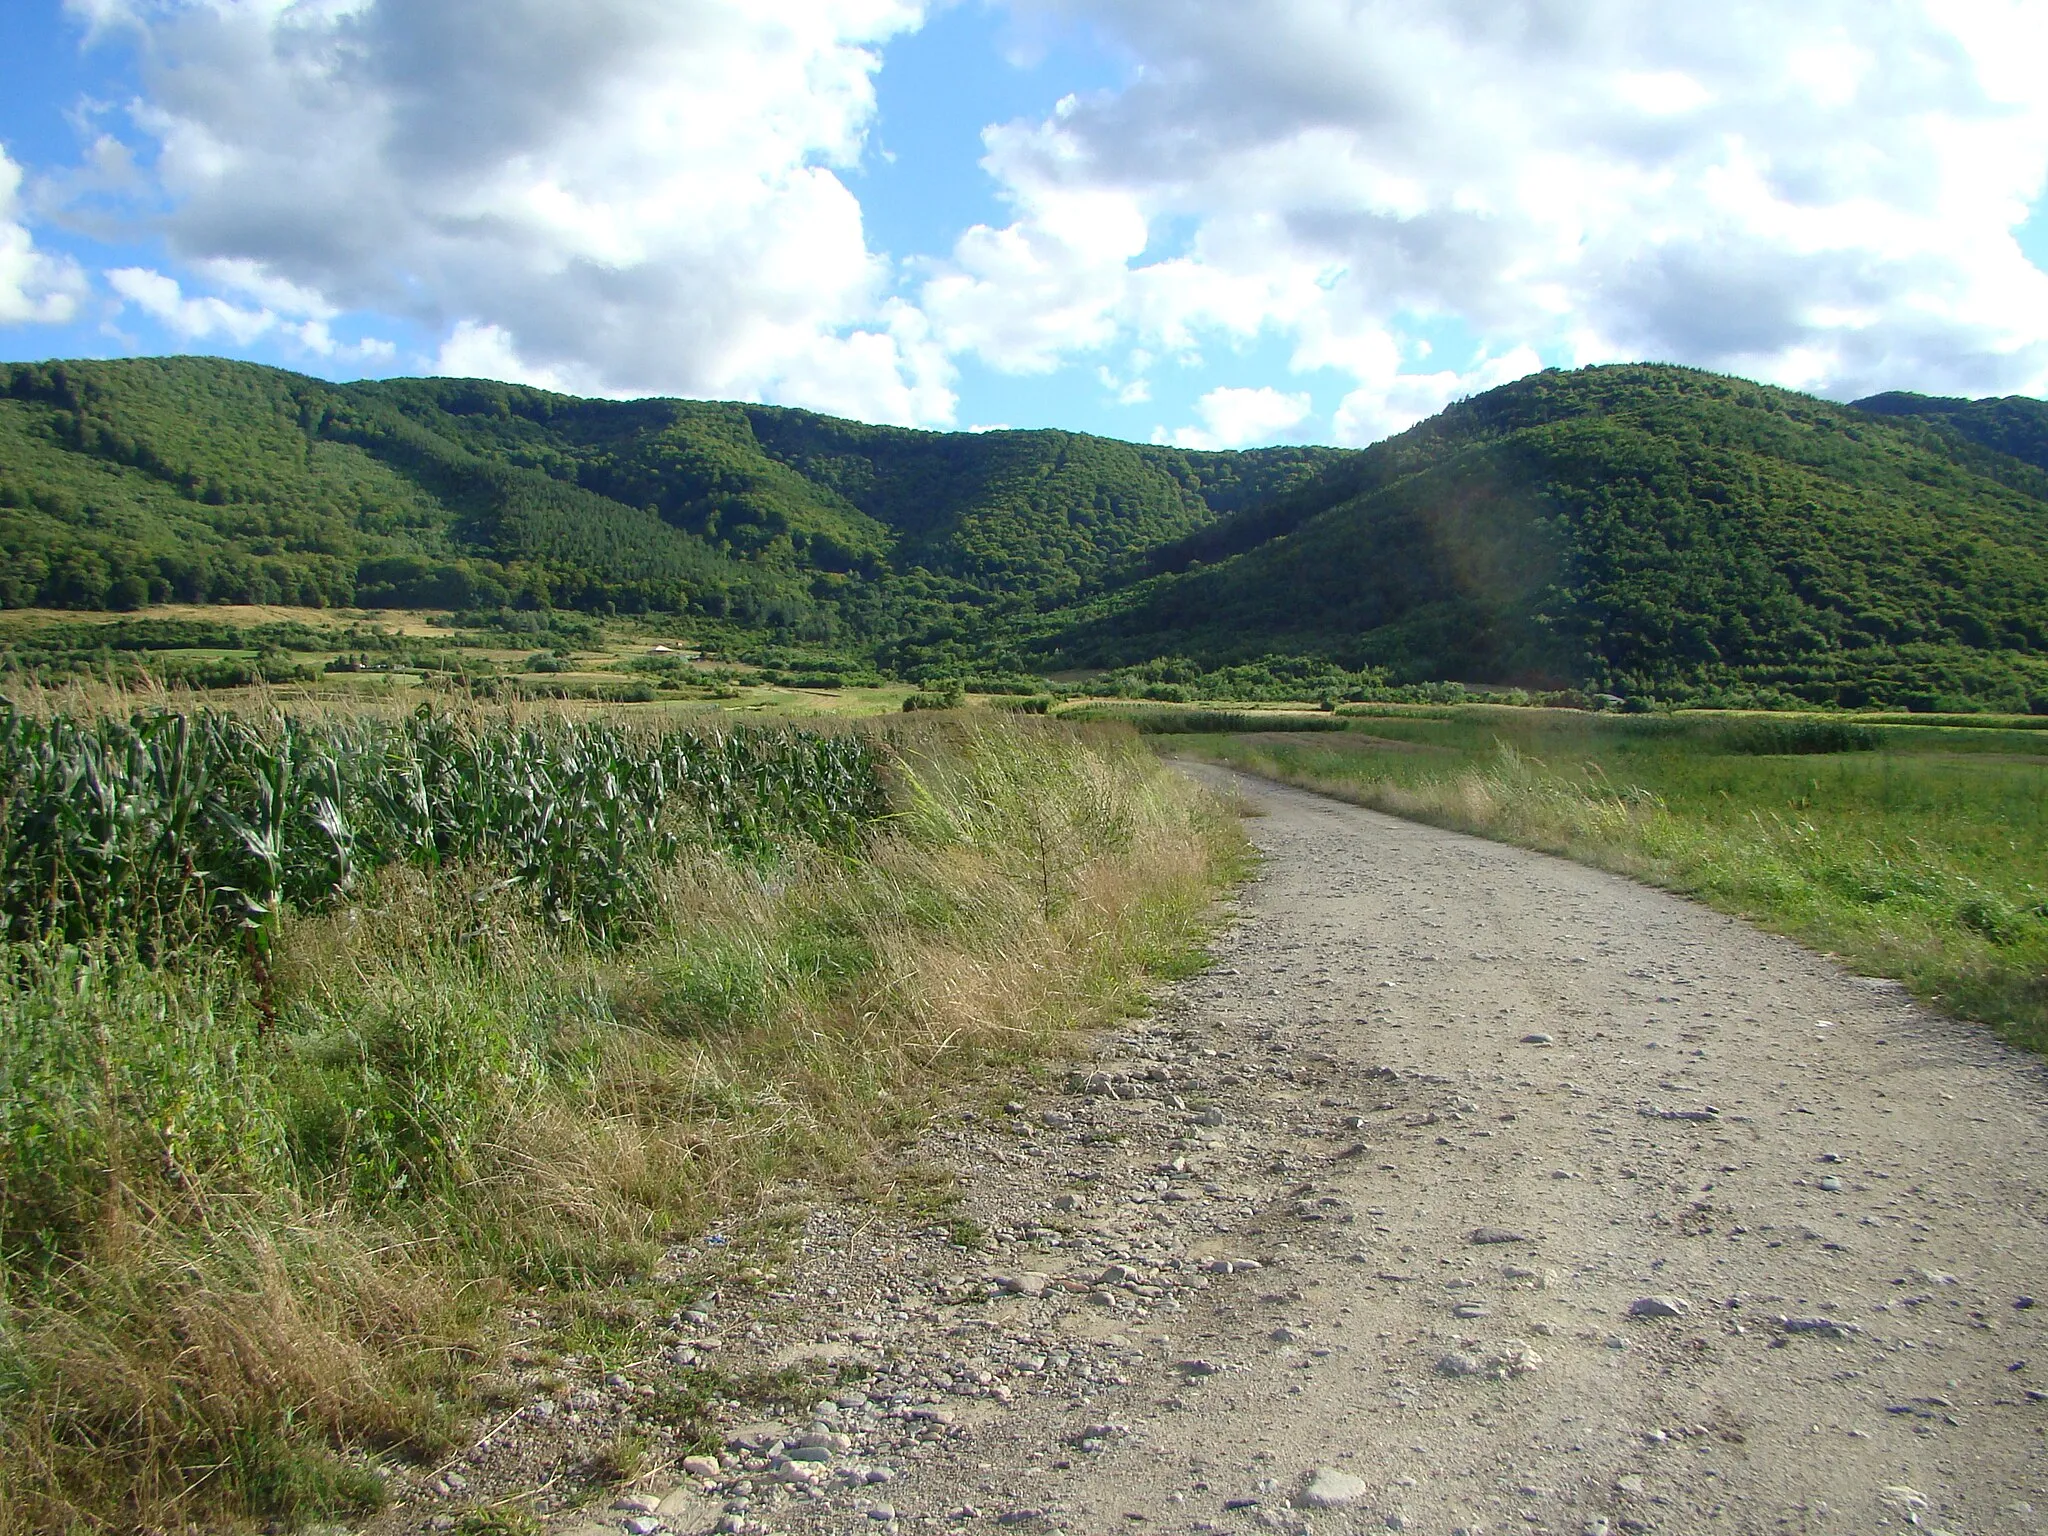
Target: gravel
[(1254, 1246)]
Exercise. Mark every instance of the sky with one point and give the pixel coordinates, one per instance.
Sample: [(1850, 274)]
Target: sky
[(1215, 223)]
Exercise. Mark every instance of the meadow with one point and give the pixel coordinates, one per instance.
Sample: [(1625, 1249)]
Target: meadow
[(342, 1052), (1913, 851)]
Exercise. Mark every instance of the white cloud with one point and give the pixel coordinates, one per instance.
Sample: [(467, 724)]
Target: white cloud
[(34, 287), (198, 319), (623, 196), (613, 196), (1238, 418), (207, 317), (475, 351), (1823, 194)]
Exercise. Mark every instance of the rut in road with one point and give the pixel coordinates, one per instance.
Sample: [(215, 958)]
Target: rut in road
[(1473, 1190)]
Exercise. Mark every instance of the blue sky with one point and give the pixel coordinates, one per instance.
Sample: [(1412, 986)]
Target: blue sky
[(1213, 222)]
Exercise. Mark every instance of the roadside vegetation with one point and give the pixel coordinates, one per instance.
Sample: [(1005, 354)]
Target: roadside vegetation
[(337, 1052), (1911, 851)]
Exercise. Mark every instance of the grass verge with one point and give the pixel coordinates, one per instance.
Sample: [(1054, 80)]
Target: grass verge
[(1911, 852), (250, 1264)]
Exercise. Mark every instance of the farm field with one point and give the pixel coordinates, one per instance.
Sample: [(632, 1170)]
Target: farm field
[(262, 655), (1913, 851), (349, 1053)]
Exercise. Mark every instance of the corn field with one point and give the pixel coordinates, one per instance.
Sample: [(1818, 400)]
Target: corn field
[(152, 826)]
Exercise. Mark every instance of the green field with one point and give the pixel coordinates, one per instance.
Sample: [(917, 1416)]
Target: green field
[(1916, 852)]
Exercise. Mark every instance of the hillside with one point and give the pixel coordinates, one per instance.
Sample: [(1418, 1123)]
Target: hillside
[(1640, 529), (200, 480), (2016, 426)]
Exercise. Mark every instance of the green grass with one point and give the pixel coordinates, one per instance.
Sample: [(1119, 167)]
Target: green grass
[(1912, 852), (262, 1222), (1159, 720)]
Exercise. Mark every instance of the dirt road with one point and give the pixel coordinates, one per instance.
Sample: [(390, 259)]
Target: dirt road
[(1573, 1207)]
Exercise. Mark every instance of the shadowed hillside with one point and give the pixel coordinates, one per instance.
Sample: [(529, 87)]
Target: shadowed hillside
[(1640, 529)]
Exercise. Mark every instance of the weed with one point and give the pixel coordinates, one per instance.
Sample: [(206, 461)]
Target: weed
[(496, 1520), (620, 1459), (964, 1232)]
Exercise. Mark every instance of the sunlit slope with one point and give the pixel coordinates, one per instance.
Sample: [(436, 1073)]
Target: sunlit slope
[(202, 480), (1641, 529)]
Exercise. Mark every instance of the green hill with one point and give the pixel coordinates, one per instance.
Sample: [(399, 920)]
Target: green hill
[(2016, 426), (1638, 529), (200, 480)]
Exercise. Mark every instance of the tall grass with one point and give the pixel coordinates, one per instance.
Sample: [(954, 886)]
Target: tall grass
[(1912, 853), (242, 1259)]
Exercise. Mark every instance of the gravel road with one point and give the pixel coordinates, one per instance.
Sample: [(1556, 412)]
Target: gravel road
[(1471, 1191)]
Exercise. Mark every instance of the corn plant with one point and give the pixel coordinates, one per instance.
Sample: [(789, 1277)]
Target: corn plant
[(166, 820)]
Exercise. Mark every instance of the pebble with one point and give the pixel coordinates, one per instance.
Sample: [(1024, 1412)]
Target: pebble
[(1029, 1284), (643, 1525), (636, 1503), (1659, 1306), (1232, 1266), (1330, 1488), (1823, 1327), (1537, 1037), (1831, 1184), (1212, 1116), (1471, 1309), (882, 1512), (1497, 1235), (1457, 1363)]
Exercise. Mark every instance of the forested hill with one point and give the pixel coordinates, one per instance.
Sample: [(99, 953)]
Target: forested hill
[(198, 480), (2016, 426), (1641, 529)]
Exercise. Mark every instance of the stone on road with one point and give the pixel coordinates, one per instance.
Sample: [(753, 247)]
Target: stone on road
[(1495, 1191)]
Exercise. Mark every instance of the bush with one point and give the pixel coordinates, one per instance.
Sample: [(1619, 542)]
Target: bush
[(1774, 738), (946, 697)]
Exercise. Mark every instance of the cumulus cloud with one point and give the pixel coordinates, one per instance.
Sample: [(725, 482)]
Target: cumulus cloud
[(1236, 418), (623, 196), (1823, 195), (207, 317), (34, 286), (616, 196)]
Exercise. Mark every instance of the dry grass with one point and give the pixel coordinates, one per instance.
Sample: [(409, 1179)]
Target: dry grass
[(469, 1106)]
